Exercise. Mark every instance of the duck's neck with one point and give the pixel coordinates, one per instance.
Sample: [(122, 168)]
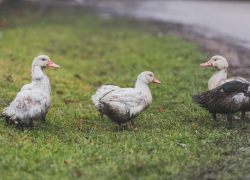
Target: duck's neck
[(141, 86), (40, 80), (217, 77)]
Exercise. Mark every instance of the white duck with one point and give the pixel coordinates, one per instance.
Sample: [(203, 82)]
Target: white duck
[(124, 104), (220, 76), (33, 101)]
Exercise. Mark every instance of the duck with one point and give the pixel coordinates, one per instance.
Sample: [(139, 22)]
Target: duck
[(228, 98), (125, 104), (33, 101), (220, 76)]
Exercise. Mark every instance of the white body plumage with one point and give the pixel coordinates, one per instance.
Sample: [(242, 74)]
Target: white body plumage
[(33, 101), (124, 104)]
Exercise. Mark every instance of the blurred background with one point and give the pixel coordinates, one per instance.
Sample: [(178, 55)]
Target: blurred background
[(219, 27)]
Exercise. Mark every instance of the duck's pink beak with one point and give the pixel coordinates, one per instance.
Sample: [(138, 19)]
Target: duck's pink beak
[(156, 81), (207, 64), (51, 64)]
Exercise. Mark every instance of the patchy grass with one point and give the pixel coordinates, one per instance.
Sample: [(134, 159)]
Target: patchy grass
[(75, 142)]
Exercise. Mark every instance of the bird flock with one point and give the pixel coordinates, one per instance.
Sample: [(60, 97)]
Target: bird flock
[(32, 102)]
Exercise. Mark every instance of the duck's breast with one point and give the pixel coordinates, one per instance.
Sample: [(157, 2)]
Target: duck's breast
[(30, 104)]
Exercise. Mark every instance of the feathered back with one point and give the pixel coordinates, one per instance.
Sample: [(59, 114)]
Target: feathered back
[(100, 93), (229, 97)]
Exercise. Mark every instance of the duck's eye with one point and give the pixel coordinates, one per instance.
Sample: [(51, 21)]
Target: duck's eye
[(43, 59), (151, 75), (215, 59)]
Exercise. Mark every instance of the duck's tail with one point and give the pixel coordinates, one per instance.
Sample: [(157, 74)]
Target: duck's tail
[(205, 99), (100, 93), (8, 112)]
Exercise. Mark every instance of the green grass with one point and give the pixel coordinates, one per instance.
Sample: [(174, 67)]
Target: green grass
[(75, 143)]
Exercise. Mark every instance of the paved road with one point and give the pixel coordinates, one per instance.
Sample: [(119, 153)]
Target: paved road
[(228, 20)]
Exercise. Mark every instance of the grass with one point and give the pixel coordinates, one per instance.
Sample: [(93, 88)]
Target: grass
[(75, 143)]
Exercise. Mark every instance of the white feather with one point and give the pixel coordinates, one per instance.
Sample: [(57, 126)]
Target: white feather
[(33, 101), (124, 104)]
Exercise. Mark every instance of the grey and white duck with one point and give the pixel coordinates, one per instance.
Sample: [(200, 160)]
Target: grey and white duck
[(125, 104), (220, 76), (33, 101), (228, 98)]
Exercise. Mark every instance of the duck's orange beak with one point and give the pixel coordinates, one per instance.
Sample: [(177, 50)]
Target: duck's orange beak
[(207, 64), (156, 81), (51, 64)]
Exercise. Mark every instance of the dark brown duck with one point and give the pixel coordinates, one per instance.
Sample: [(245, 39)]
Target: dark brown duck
[(227, 99)]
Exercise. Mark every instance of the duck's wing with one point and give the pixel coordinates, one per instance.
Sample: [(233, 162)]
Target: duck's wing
[(238, 79), (27, 87), (229, 97), (101, 92), (29, 104), (126, 101)]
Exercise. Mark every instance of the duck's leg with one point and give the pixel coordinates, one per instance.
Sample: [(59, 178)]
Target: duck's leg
[(132, 123), (214, 117), (243, 114), (101, 116), (18, 126), (34, 123), (230, 118), (44, 119), (9, 122)]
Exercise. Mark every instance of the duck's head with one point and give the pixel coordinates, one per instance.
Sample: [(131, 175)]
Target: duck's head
[(147, 77), (43, 61), (217, 62)]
